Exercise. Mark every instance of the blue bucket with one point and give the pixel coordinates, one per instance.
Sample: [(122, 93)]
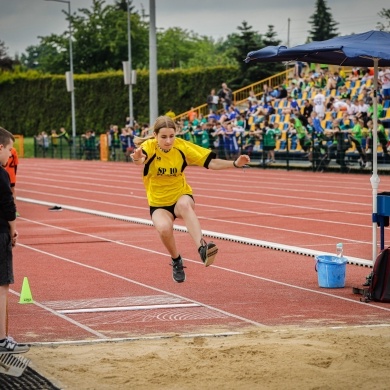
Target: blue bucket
[(331, 271)]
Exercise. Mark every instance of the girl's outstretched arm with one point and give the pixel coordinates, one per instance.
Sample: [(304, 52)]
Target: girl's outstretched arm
[(240, 162)]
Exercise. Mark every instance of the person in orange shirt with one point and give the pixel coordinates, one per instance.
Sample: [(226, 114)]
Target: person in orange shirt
[(11, 167), (192, 115)]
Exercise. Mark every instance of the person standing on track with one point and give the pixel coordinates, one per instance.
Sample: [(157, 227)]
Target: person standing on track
[(8, 236), (11, 167), (164, 158)]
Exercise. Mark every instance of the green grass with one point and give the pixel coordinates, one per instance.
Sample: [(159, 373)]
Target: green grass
[(28, 143), (28, 147)]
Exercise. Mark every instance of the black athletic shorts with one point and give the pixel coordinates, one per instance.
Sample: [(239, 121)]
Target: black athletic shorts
[(171, 209), (6, 269)]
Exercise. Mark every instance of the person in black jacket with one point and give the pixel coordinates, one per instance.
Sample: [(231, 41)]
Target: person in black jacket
[(8, 236)]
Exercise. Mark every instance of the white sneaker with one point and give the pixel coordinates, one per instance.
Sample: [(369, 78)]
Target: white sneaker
[(9, 345)]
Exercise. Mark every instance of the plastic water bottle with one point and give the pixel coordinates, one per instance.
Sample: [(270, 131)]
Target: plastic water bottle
[(339, 249)]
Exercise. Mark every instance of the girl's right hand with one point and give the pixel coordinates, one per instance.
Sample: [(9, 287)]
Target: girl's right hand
[(137, 155)]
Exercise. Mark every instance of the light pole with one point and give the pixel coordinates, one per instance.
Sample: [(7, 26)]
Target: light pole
[(153, 88), (130, 70), (71, 86)]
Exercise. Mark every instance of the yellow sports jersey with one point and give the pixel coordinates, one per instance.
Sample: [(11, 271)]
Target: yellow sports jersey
[(163, 176)]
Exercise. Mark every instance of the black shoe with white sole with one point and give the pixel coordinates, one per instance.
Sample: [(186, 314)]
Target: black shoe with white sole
[(178, 273)]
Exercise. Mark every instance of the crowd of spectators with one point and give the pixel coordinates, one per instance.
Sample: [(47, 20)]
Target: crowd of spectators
[(316, 115)]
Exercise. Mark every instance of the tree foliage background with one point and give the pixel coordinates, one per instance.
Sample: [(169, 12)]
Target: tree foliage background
[(100, 45), (323, 25)]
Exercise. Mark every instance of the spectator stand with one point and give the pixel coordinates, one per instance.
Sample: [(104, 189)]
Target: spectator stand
[(288, 150)]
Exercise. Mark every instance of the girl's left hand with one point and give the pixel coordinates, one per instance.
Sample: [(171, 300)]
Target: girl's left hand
[(243, 160)]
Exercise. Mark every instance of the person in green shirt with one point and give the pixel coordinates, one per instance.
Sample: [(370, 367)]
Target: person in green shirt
[(89, 144), (270, 135), (370, 111), (297, 128), (355, 136), (197, 134), (382, 137)]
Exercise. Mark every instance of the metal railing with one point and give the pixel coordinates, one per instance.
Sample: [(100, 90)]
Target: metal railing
[(241, 95)]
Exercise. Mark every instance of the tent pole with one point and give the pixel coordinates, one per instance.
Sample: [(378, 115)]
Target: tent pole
[(375, 178)]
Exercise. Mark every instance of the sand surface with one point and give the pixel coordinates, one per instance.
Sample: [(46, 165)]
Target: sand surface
[(266, 358)]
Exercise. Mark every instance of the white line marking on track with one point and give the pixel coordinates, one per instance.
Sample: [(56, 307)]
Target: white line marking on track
[(86, 328), (131, 280), (196, 181), (222, 236), (192, 261), (257, 202), (127, 308), (142, 300), (290, 230)]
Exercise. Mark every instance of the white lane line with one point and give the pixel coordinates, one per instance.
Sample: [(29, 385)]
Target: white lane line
[(207, 233), (134, 281), (198, 195), (305, 184), (68, 180), (290, 230), (127, 308), (192, 261), (76, 323), (142, 300)]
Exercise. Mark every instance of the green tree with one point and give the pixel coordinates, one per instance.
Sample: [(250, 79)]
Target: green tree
[(323, 25), (243, 43), (209, 53), (6, 62), (175, 46), (179, 48), (100, 42), (270, 37), (122, 5), (269, 69), (384, 13)]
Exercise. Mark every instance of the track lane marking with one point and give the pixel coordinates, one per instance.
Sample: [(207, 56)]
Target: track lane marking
[(30, 200), (40, 185), (192, 261), (68, 319), (131, 280), (223, 236)]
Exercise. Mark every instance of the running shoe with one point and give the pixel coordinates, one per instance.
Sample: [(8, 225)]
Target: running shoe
[(207, 252), (178, 273), (9, 345), (55, 208)]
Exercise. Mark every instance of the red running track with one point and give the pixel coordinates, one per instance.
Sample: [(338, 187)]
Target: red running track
[(96, 278)]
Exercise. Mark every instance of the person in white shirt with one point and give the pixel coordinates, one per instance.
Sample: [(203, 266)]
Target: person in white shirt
[(319, 104), (384, 79), (339, 105), (352, 108), (362, 110)]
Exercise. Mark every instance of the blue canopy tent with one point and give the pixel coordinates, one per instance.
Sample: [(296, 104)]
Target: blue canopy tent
[(367, 49)]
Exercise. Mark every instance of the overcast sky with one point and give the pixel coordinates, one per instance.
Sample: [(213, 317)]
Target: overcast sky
[(22, 21)]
